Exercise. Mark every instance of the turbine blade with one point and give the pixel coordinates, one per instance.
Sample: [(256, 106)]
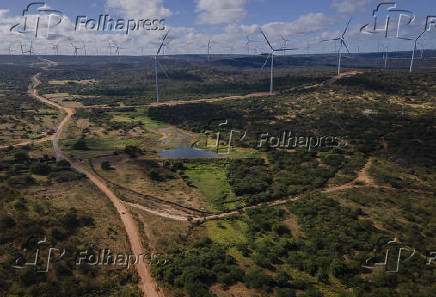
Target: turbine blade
[(162, 44), (267, 41), (343, 43), (285, 49), (266, 61), (348, 25), (163, 70)]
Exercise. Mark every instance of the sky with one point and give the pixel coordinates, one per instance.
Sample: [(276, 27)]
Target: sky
[(231, 26)]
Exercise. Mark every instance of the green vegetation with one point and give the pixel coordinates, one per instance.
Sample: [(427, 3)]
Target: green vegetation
[(211, 180), (317, 245), (41, 199)]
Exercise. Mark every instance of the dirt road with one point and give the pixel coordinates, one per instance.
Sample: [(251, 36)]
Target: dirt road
[(342, 75), (147, 283), (363, 177), (179, 217), (211, 100)]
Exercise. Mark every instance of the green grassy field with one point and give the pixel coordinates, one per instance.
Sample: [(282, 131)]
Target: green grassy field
[(140, 114), (211, 181)]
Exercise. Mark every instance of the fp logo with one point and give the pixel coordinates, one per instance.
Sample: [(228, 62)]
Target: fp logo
[(38, 20), (384, 20)]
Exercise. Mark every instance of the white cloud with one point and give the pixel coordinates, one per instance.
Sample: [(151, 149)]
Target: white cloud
[(3, 12), (139, 8), (350, 6), (220, 11), (305, 24)]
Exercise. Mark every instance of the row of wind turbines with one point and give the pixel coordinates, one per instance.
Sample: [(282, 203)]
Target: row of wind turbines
[(283, 49), (114, 48)]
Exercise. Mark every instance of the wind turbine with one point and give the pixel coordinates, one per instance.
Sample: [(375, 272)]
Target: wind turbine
[(30, 51), (117, 48), (421, 50), (273, 51), (84, 47), (76, 49), (209, 47), (157, 65), (11, 49), (341, 38), (55, 48), (285, 43), (249, 41), (165, 46), (110, 48), (414, 49), (22, 50), (386, 57)]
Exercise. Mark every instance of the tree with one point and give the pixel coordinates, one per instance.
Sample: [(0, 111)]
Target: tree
[(132, 151), (64, 164), (258, 279), (155, 175), (40, 169), (106, 165), (80, 145), (285, 292), (21, 156)]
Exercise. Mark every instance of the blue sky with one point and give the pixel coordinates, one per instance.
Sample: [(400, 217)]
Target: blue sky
[(226, 22)]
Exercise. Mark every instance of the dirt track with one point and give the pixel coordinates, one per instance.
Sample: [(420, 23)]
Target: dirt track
[(362, 177), (147, 283)]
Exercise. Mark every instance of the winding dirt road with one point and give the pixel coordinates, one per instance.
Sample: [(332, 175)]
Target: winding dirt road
[(147, 283)]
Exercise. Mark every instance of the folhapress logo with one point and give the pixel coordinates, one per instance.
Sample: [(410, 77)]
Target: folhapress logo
[(38, 19), (105, 23)]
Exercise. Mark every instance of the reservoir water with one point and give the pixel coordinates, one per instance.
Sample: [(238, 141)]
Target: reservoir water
[(184, 152)]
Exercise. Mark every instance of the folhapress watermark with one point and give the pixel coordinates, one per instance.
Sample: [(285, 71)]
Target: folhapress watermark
[(106, 257), (282, 140), (391, 21), (105, 23), (44, 257), (286, 140), (40, 20), (395, 255)]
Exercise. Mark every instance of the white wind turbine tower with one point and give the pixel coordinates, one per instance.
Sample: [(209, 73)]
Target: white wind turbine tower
[(273, 51), (157, 65), (341, 38)]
